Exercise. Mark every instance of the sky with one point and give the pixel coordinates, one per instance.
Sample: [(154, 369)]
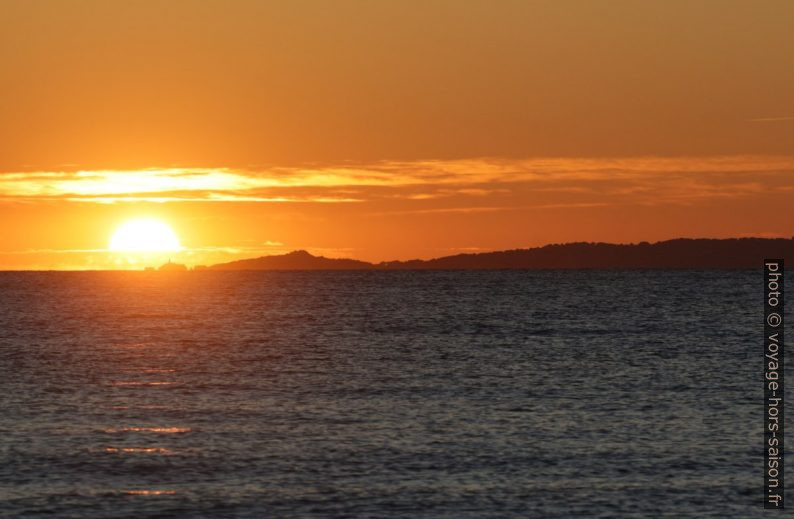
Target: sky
[(391, 129)]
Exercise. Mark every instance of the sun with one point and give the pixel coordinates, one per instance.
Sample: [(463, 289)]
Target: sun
[(144, 235)]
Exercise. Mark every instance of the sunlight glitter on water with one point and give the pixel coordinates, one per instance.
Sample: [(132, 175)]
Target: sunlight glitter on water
[(147, 407), (157, 430), (150, 492), (143, 450), (137, 383)]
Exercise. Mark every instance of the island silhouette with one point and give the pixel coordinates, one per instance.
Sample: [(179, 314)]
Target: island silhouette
[(680, 253), (172, 267)]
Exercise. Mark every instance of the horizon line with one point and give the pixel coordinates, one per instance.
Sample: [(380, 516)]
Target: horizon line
[(200, 267)]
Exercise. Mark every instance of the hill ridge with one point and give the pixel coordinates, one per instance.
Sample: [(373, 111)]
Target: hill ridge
[(674, 253)]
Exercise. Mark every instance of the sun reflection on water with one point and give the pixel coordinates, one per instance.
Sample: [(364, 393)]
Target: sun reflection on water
[(157, 430), (147, 407), (144, 450), (149, 492), (140, 383)]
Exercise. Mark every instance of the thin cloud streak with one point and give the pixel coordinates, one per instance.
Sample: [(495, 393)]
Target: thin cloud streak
[(773, 119), (265, 247)]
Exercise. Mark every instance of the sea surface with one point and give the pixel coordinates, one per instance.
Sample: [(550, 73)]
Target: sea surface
[(467, 394)]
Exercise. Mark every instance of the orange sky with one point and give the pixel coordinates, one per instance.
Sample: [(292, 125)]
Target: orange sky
[(390, 130)]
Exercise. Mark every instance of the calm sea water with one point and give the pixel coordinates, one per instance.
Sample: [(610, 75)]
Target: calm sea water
[(381, 394)]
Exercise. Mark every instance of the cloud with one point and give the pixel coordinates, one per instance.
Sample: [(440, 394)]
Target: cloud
[(441, 210), (496, 183), (773, 119)]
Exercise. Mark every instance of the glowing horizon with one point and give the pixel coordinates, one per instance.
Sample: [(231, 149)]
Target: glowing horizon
[(391, 130)]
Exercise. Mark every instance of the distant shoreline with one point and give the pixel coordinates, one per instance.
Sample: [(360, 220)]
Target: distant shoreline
[(675, 254), (680, 253)]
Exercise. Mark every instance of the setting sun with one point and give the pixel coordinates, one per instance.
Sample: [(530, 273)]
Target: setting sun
[(144, 235)]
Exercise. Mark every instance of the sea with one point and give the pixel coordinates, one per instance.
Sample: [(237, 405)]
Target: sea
[(416, 394)]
